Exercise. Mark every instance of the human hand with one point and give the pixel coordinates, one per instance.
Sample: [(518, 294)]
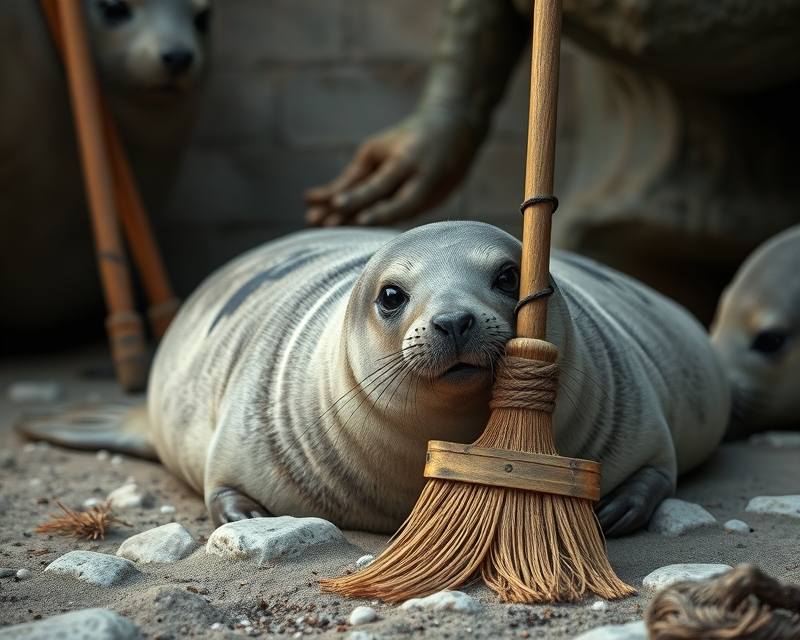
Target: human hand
[(399, 172)]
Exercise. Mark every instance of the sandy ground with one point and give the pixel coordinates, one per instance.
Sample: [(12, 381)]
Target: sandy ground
[(184, 599)]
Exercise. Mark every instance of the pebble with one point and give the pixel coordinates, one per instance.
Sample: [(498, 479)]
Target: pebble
[(665, 576), (23, 574), (92, 567), (117, 459), (7, 461), (262, 540), (362, 615), (736, 526), (129, 496), (675, 517), (167, 508), (39, 445), (167, 543), (91, 502), (7, 573), (85, 624), (444, 601), (103, 454), (600, 605), (29, 391), (364, 561), (635, 630), (775, 505), (776, 438)]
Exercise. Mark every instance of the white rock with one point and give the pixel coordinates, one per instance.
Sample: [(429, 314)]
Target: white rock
[(217, 626), (361, 635), (23, 574), (635, 630), (96, 568), (29, 391), (103, 454), (167, 508), (775, 505), (444, 601), (129, 496), (91, 502), (168, 543), (677, 517), (665, 576), (364, 561), (600, 605), (362, 615), (85, 624), (117, 459), (736, 526), (776, 438), (262, 540)]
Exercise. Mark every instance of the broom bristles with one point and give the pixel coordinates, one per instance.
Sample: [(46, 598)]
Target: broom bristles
[(528, 546)]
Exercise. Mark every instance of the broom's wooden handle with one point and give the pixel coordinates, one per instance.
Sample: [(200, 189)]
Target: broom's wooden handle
[(124, 325), (532, 318)]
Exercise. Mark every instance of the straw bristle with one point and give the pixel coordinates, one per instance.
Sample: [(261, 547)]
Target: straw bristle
[(527, 546), (91, 524)]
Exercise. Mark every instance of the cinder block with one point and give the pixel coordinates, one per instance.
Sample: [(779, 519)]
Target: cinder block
[(340, 105), (248, 32), (404, 30)]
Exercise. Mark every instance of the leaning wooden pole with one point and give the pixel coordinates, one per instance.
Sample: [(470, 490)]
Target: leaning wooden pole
[(508, 507)]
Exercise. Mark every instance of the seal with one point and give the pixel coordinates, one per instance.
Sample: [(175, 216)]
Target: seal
[(756, 332), (150, 56), (306, 377)]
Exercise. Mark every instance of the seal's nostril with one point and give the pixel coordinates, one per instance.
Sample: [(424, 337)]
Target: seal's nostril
[(177, 61), (453, 324)]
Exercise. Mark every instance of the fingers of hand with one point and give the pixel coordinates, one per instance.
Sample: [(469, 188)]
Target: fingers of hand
[(410, 199)]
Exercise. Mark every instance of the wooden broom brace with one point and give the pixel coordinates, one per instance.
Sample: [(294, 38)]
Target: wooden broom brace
[(112, 196)]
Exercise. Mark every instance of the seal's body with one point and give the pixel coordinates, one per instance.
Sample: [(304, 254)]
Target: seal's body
[(756, 332), (307, 376), (150, 58)]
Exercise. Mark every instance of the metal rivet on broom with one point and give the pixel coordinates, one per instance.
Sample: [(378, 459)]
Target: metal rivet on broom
[(113, 199), (508, 508)]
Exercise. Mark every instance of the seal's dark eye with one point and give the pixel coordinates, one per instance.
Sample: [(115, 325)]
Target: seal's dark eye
[(508, 280), (201, 21), (391, 298), (769, 341), (114, 11)]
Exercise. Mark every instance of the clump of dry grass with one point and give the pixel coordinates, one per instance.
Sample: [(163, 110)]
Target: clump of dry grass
[(91, 524)]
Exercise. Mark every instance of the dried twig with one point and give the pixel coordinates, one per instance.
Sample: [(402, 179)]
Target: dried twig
[(91, 524)]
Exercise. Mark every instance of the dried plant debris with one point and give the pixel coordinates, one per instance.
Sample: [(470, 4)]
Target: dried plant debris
[(91, 524)]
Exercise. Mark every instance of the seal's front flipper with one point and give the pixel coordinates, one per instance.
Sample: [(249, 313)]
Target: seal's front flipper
[(629, 506), (228, 505), (94, 426)]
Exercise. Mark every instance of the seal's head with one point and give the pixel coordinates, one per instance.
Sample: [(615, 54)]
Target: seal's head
[(756, 332), (436, 308), (149, 48)]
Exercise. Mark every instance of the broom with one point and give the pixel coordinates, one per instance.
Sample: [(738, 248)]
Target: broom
[(113, 198), (508, 507)]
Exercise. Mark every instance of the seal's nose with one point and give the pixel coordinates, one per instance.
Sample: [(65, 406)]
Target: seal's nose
[(454, 324), (177, 61)]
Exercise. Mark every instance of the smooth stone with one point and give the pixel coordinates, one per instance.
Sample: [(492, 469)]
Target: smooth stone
[(775, 505), (776, 438), (675, 517), (364, 561), (635, 630), (96, 568), (24, 574), (261, 540), (665, 576), (86, 624), (7, 573), (444, 601), (129, 496), (361, 635), (362, 615), (28, 391), (167, 543), (736, 526), (600, 605)]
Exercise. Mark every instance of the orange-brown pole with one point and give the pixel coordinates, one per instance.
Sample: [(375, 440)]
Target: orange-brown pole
[(534, 276), (124, 325)]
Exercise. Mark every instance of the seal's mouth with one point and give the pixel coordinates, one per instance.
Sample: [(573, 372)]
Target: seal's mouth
[(463, 370)]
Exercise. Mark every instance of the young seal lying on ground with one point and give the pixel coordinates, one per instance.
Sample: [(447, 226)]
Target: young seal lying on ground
[(757, 334), (307, 376)]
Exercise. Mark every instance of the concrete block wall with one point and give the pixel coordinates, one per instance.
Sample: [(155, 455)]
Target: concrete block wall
[(295, 86)]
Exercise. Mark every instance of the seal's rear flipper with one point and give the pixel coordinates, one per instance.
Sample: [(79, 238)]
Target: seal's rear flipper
[(95, 426)]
